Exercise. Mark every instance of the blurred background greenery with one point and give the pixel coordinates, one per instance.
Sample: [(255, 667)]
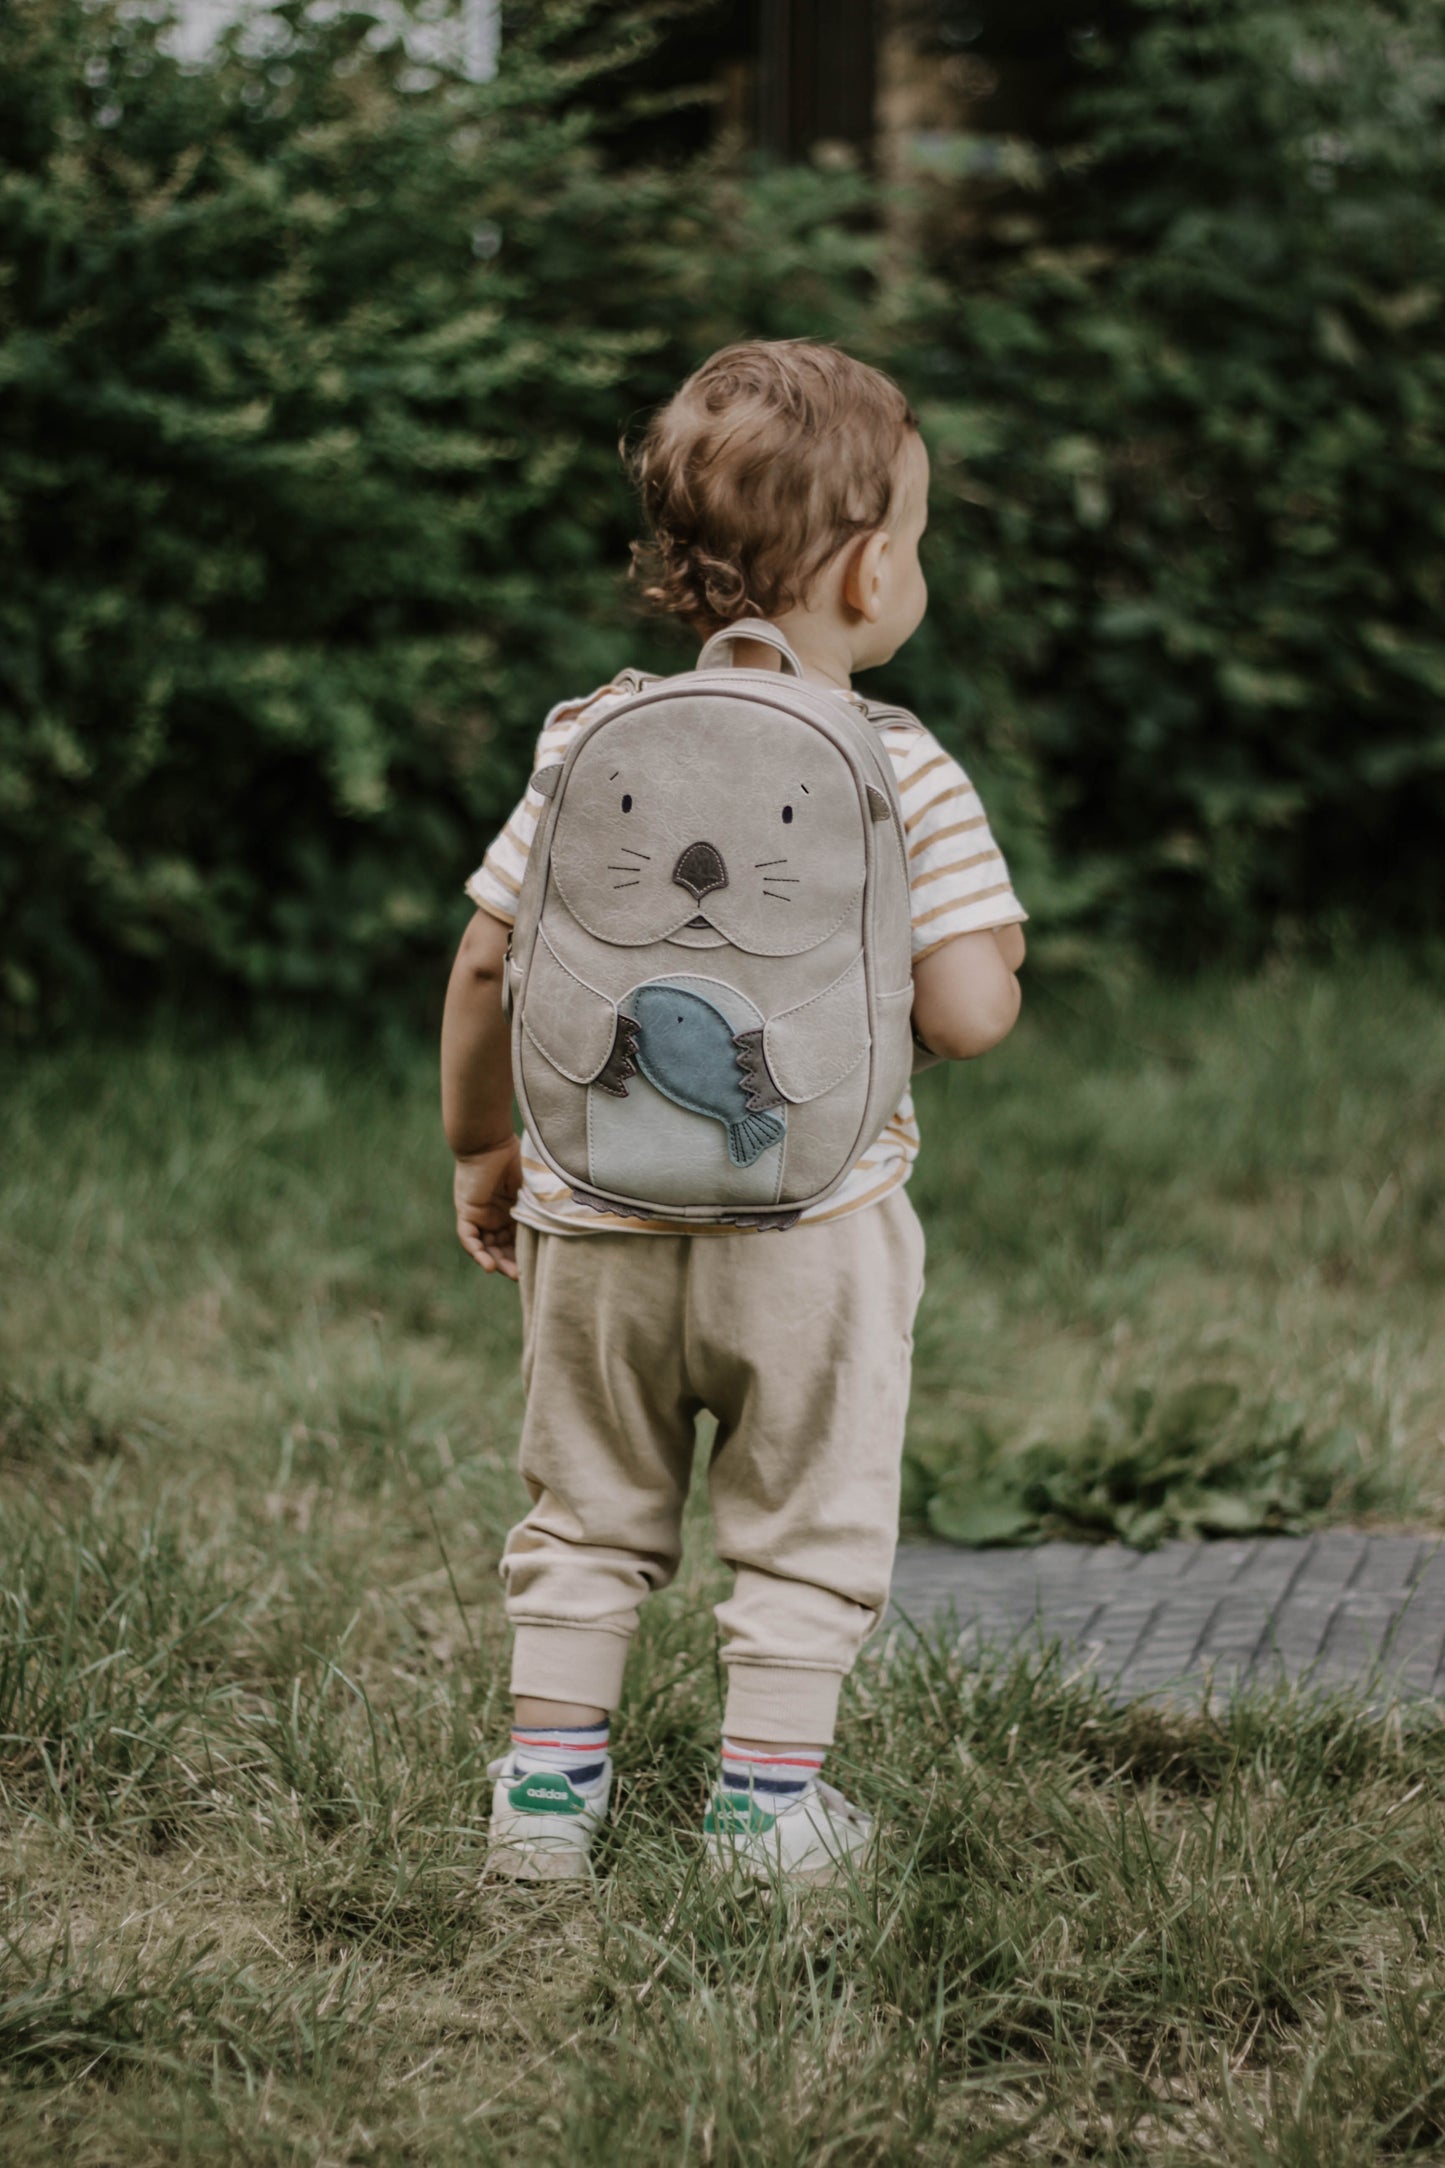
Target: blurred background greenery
[(315, 351)]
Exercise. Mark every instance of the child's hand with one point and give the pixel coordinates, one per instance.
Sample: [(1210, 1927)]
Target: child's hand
[(485, 1189)]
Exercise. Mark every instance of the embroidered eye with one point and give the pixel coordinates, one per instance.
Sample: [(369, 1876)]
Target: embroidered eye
[(787, 812), (627, 801)]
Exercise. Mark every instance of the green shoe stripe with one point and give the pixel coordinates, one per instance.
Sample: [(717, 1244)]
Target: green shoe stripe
[(546, 1791), (731, 1814)]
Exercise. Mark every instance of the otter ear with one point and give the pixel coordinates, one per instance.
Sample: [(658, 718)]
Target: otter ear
[(545, 781), (877, 804)]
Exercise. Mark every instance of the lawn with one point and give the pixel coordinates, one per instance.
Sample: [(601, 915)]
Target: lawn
[(256, 1450)]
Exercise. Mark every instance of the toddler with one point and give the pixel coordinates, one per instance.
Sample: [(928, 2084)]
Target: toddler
[(785, 482)]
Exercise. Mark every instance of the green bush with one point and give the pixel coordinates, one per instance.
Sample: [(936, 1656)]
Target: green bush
[(314, 369), (1185, 381)]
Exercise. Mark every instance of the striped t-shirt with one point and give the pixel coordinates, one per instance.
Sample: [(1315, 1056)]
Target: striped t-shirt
[(959, 884)]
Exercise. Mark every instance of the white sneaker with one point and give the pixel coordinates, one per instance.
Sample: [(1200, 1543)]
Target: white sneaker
[(817, 1837), (542, 1823)]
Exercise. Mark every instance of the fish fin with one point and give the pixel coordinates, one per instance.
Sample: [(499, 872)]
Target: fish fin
[(751, 1136), (620, 1063), (758, 1086)]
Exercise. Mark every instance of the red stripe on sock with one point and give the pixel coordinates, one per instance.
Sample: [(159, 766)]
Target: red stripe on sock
[(591, 1746)]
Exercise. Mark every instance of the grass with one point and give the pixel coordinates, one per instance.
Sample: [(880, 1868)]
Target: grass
[(256, 1437)]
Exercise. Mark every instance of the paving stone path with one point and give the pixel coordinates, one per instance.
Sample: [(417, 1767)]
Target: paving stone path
[(1335, 1610)]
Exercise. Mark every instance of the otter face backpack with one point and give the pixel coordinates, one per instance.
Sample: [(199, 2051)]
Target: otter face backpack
[(710, 976)]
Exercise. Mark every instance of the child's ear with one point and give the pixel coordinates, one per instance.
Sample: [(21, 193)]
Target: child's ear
[(863, 575)]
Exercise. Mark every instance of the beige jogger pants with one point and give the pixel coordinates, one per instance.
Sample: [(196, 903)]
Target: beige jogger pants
[(799, 1344)]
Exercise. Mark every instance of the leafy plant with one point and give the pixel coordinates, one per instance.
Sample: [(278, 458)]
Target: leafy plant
[(1184, 379), (310, 506), (1198, 1460), (314, 366)]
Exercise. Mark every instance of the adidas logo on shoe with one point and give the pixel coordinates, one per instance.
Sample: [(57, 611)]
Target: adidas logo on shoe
[(817, 1836), (729, 1814), (546, 1794), (542, 1826)]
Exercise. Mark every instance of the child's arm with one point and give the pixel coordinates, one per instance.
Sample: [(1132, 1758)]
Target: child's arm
[(477, 1098), (965, 995), (1011, 945)]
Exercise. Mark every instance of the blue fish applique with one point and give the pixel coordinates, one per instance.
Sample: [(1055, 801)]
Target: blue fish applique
[(688, 1051)]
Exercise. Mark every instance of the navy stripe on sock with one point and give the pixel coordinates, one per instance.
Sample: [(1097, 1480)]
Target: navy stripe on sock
[(783, 1785), (583, 1773)]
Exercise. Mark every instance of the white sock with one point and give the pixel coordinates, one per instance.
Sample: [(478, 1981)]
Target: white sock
[(579, 1751), (776, 1775)]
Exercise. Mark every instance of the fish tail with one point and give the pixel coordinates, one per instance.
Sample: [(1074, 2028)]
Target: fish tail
[(751, 1136)]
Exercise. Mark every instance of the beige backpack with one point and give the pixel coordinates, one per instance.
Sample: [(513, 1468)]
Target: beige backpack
[(710, 975)]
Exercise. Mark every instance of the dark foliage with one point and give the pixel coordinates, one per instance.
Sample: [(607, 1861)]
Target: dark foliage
[(314, 366), (1187, 392), (310, 505)]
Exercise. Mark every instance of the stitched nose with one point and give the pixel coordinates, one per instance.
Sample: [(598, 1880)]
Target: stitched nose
[(700, 870)]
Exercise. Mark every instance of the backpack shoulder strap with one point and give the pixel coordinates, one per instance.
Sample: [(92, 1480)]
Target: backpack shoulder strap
[(885, 716), (633, 681)]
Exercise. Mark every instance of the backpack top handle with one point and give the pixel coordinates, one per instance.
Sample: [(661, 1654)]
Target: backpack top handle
[(748, 628)]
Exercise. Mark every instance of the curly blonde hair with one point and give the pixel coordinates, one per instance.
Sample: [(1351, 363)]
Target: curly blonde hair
[(769, 458)]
